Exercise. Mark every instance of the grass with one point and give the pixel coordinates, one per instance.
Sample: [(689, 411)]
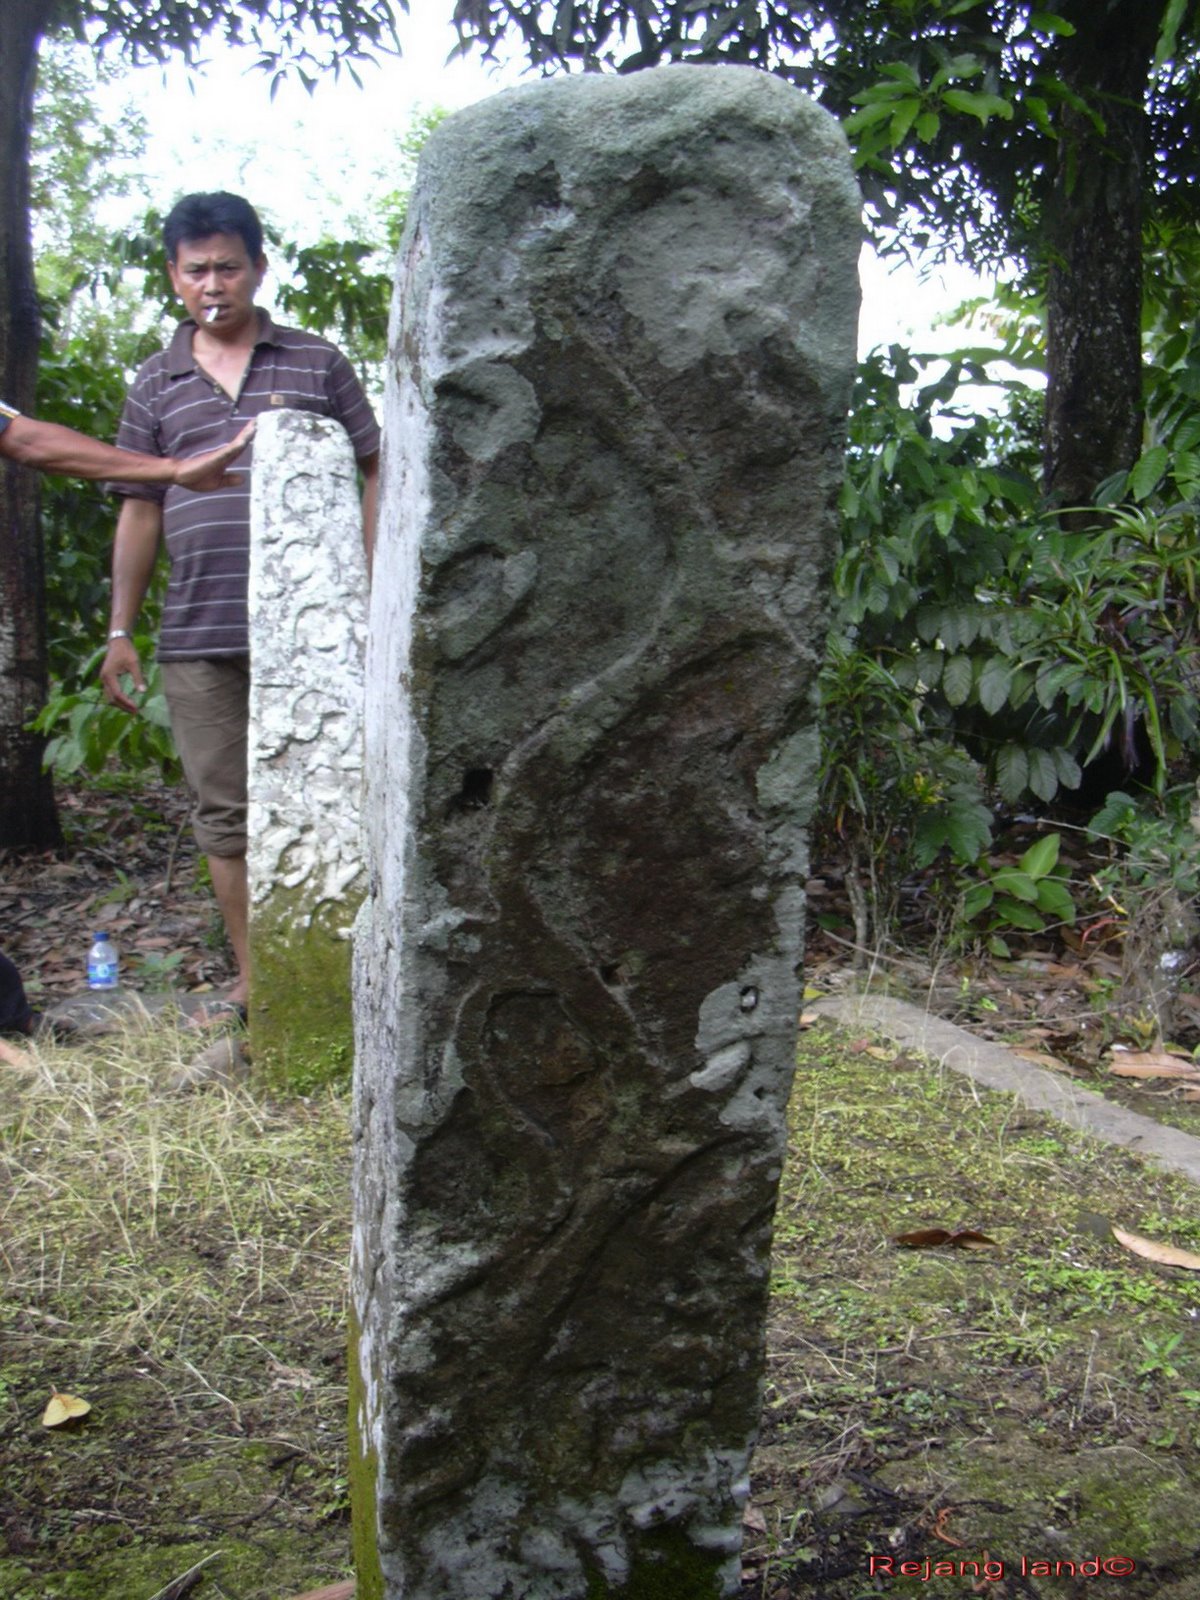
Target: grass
[(178, 1261), (1036, 1401)]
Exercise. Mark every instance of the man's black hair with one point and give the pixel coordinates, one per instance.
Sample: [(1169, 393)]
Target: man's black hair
[(199, 216)]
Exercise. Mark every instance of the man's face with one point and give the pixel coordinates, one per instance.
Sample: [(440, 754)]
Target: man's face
[(217, 281)]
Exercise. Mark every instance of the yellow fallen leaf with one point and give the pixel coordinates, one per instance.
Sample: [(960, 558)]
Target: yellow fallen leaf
[(63, 1408), (1167, 1255)]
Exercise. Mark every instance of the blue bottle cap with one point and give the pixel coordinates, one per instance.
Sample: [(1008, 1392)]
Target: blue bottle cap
[(100, 934)]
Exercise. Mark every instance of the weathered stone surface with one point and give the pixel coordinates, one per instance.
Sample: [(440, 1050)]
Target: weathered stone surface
[(308, 592), (622, 348)]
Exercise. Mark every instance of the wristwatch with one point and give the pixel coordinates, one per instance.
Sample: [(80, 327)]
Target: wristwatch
[(120, 633)]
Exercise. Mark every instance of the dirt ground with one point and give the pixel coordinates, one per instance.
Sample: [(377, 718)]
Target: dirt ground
[(132, 868), (1020, 1418)]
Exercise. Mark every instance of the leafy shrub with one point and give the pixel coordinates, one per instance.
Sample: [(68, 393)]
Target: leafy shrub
[(85, 733), (1034, 646), (1029, 897)]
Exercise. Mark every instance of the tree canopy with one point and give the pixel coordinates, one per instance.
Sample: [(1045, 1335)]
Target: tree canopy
[(1059, 134), (305, 37), (957, 108)]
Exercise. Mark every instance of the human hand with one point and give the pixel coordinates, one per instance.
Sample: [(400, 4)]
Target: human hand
[(122, 659), (209, 470)]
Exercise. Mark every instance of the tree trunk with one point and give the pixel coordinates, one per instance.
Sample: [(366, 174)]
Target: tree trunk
[(1094, 285), (27, 813)]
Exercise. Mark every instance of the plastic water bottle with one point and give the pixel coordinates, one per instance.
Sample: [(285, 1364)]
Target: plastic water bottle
[(103, 963)]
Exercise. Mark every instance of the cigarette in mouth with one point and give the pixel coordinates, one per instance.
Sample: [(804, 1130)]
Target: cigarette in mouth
[(210, 313)]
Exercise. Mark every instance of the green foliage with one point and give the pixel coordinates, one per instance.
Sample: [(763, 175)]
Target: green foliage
[(1029, 897), (892, 795), (980, 649), (79, 164), (85, 733), (1035, 646), (94, 331), (1154, 842), (1152, 877)]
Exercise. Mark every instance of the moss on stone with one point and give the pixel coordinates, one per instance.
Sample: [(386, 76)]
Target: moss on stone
[(666, 1565), (301, 1024), (364, 1476)]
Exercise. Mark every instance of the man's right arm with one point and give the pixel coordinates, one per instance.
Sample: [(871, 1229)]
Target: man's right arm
[(135, 550)]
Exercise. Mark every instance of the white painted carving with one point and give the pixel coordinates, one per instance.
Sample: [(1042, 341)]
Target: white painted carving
[(308, 598)]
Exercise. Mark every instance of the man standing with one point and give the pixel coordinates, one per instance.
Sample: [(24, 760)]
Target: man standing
[(52, 448), (226, 363)]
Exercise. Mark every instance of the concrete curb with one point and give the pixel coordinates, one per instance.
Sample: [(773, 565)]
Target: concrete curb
[(998, 1068)]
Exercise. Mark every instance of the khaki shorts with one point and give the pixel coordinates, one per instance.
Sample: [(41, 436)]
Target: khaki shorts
[(209, 702)]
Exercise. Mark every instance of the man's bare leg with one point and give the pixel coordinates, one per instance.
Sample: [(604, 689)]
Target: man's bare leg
[(231, 888)]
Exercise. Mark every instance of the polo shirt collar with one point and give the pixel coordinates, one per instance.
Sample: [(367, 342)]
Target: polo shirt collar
[(180, 360)]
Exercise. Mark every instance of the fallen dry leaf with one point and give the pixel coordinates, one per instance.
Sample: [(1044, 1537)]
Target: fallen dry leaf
[(62, 1408), (1167, 1255), (938, 1528), (1152, 1064), (753, 1519), (1041, 1059), (933, 1238)]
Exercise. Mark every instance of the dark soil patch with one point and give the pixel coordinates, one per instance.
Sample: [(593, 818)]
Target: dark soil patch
[(130, 867)]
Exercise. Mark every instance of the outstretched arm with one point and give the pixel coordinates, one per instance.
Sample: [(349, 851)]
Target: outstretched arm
[(53, 448)]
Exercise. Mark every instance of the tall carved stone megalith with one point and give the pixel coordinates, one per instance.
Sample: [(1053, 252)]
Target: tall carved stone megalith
[(622, 348), (308, 623)]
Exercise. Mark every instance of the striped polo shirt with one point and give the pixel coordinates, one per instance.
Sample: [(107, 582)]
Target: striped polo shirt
[(175, 409)]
